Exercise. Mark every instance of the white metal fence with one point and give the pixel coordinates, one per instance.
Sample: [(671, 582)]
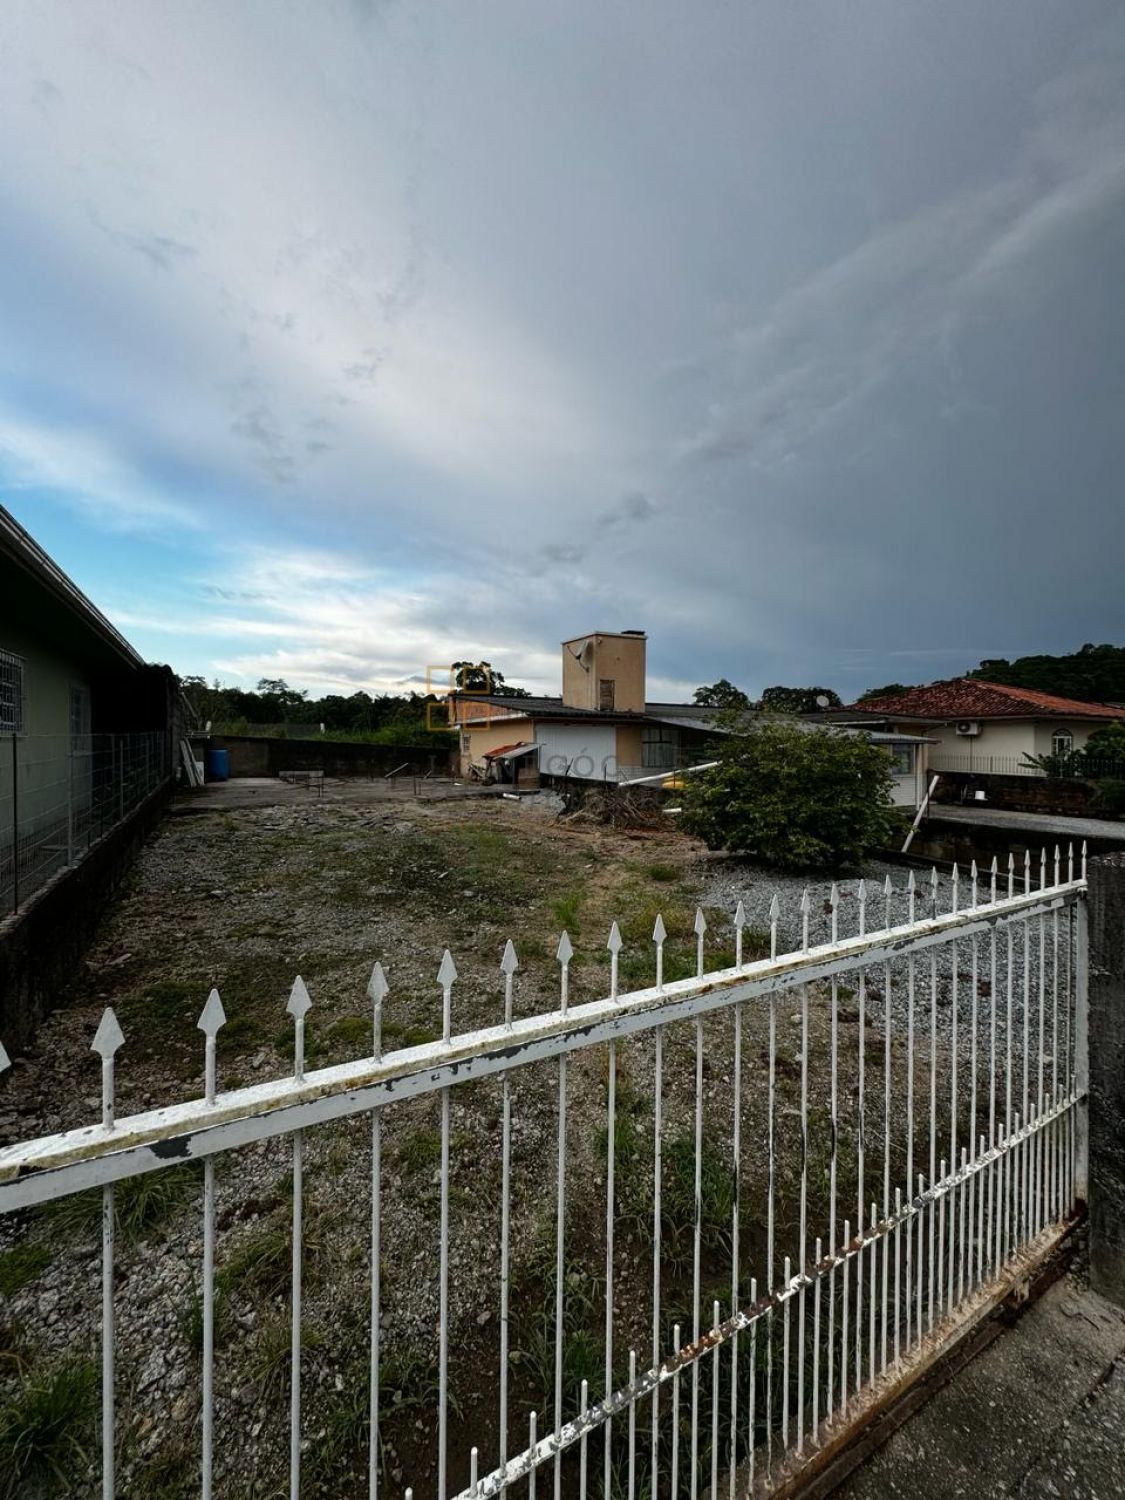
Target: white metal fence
[(816, 1162), (60, 793), (1075, 766)]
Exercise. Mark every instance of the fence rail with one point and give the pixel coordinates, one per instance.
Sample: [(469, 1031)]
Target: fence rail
[(813, 1161), (1076, 766), (59, 794)]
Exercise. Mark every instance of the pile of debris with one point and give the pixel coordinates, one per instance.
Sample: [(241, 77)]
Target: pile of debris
[(614, 806)]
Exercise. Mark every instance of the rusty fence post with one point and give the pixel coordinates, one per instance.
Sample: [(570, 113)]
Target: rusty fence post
[(1106, 1064)]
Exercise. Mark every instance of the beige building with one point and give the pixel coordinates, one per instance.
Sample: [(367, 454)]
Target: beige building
[(600, 728)]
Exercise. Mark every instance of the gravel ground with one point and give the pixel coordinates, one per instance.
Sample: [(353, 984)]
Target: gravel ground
[(247, 899), (728, 885)]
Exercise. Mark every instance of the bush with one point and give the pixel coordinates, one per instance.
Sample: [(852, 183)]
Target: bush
[(794, 798), (1109, 801)]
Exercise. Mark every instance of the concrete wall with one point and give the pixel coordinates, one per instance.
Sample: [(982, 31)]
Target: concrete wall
[(1068, 795), (41, 948), (629, 745), (252, 755), (42, 752), (480, 738), (619, 659), (1107, 1075)]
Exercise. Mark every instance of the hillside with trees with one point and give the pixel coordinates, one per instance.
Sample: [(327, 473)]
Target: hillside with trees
[(1093, 674)]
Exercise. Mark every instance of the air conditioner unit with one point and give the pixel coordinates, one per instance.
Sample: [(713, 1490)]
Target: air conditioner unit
[(968, 726)]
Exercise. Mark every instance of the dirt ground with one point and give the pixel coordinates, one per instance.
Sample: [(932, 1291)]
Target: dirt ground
[(243, 896)]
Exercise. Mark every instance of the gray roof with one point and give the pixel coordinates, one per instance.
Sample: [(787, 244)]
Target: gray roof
[(24, 552)]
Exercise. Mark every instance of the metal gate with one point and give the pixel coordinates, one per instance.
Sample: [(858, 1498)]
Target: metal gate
[(816, 1163)]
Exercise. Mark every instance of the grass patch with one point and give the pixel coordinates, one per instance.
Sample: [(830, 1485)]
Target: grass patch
[(242, 1031), (45, 1427), (262, 1264), (661, 873), (140, 1204), (566, 912), (21, 1264), (419, 1150), (285, 1044), (352, 1031), (409, 1036), (191, 1321), (270, 1362)]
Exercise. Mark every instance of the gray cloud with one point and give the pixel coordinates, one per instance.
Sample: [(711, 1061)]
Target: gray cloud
[(810, 374)]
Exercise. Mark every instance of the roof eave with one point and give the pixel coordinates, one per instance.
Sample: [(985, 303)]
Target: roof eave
[(26, 553)]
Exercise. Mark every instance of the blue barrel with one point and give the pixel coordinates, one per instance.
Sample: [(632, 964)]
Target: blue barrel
[(217, 763)]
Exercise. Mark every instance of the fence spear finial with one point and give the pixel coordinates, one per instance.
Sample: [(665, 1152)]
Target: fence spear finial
[(107, 1039), (211, 1019), (911, 895), (993, 874), (775, 913), (1070, 860), (446, 975), (739, 924), (861, 898), (1042, 867), (564, 954), (299, 1007), (956, 887), (508, 966), (1083, 859), (974, 878), (888, 896), (1011, 872), (933, 890), (614, 944), (1058, 863), (5, 1060), (377, 991), (659, 933), (700, 929)]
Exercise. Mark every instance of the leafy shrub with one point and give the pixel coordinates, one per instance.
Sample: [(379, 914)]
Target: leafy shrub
[(1110, 799), (794, 798)]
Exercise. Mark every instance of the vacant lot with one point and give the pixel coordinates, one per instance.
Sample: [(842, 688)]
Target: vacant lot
[(244, 900)]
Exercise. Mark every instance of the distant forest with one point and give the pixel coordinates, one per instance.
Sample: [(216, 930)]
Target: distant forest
[(381, 718), (1092, 674)]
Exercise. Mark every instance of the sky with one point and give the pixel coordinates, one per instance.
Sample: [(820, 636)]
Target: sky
[(340, 340)]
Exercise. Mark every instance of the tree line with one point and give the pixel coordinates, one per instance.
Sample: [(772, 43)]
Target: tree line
[(382, 718)]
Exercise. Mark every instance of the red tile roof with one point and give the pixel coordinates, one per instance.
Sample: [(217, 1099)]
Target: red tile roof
[(967, 698)]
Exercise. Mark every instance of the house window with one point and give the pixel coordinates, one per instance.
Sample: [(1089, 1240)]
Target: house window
[(658, 747), (903, 758), (605, 693), (11, 693), (1062, 741)]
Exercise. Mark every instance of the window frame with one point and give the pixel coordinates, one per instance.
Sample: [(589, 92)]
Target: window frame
[(1061, 731), (13, 690)]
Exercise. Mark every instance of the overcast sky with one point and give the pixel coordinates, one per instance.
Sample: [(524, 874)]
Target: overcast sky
[(340, 338)]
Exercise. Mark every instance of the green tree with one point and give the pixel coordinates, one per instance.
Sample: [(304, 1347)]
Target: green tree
[(794, 798), (785, 700), (482, 677), (889, 691), (1107, 744), (1093, 674), (722, 694)]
